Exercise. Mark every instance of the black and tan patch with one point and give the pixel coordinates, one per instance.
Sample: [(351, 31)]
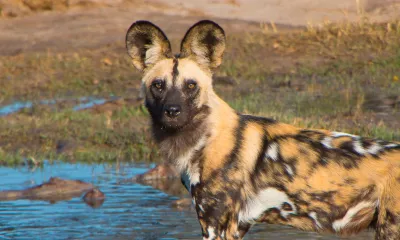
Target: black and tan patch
[(204, 42), (146, 44), (242, 169)]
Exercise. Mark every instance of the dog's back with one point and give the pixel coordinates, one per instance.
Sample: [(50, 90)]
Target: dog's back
[(320, 180)]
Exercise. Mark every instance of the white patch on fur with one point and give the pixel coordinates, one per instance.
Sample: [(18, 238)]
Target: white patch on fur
[(374, 149), (342, 223), (341, 134), (183, 162), (223, 234), (289, 170), (194, 201), (211, 234), (327, 142), (266, 199), (391, 145), (201, 208), (314, 216), (152, 54), (272, 151), (194, 174), (359, 148), (200, 54)]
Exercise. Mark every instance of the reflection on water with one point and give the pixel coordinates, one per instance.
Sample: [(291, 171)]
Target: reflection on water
[(89, 104), (130, 211), (78, 104), (14, 107)]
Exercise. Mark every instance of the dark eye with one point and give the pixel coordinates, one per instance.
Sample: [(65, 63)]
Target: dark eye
[(191, 85), (158, 84)]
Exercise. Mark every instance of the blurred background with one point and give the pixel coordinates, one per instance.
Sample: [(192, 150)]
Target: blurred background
[(68, 89), (69, 94)]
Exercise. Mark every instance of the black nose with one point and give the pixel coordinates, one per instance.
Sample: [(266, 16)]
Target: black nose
[(172, 110)]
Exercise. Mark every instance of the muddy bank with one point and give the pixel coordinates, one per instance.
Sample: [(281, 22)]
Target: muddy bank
[(91, 28), (292, 12), (19, 8), (97, 23), (295, 12)]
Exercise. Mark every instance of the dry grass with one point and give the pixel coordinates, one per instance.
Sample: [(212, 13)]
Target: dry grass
[(342, 77)]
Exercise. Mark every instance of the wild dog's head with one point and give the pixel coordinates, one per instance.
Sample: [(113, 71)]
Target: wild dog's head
[(178, 88)]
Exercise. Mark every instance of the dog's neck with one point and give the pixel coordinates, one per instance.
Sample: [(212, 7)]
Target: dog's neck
[(176, 143), (184, 147)]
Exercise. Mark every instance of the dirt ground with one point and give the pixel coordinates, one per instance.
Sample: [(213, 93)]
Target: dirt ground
[(37, 25)]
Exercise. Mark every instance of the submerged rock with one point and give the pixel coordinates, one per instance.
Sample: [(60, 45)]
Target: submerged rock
[(161, 171), (165, 177), (56, 189), (94, 198)]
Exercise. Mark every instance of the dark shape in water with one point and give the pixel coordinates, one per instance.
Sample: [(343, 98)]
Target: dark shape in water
[(56, 189), (164, 177), (161, 171), (184, 204), (172, 187), (94, 198)]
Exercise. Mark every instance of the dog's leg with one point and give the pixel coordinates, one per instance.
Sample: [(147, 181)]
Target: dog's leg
[(243, 229), (389, 229), (217, 225), (233, 230), (218, 218), (388, 225), (218, 207)]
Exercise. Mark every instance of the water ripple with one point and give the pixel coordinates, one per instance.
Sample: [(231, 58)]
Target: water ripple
[(130, 211)]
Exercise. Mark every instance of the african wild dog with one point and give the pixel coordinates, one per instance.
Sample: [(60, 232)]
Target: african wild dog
[(242, 169)]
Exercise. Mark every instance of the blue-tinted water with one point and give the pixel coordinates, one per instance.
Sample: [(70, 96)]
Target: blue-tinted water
[(82, 103), (130, 211), (14, 107)]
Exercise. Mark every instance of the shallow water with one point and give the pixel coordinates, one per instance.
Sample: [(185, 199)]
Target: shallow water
[(79, 104), (130, 211)]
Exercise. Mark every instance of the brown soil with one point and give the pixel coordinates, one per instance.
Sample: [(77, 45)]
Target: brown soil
[(38, 25), (90, 28)]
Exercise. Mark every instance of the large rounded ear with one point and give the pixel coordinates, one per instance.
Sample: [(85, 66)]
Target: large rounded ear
[(204, 42), (146, 44)]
